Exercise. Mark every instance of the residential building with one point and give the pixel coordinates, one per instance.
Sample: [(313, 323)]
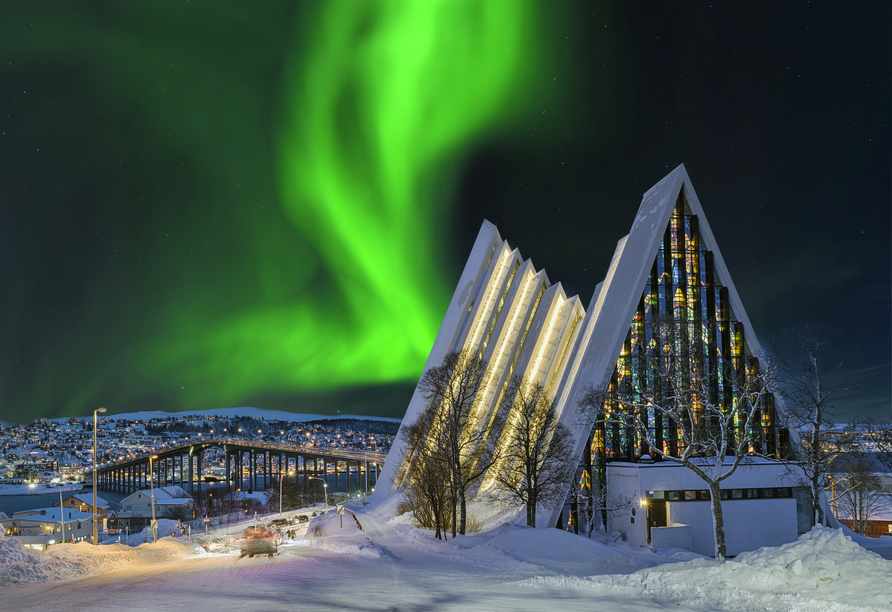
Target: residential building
[(137, 507), (42, 527)]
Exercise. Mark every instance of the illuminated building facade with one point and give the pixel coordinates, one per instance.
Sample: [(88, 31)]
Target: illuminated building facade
[(507, 311), (667, 285)]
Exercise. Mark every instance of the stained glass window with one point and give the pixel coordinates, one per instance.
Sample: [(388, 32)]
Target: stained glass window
[(684, 314)]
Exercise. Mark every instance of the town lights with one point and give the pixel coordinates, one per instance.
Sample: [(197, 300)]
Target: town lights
[(643, 502)]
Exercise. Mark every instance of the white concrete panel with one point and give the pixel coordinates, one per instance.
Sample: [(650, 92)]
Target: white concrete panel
[(749, 523), (487, 239)]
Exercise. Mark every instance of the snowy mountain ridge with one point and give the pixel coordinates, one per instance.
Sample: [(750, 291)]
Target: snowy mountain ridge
[(246, 411)]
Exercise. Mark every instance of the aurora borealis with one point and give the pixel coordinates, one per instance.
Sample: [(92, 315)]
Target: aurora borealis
[(207, 206)]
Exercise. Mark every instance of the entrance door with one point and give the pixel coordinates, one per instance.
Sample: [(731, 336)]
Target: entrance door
[(656, 515)]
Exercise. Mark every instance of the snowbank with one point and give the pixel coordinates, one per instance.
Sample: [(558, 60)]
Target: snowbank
[(337, 534), (20, 565), (823, 571), (165, 528)]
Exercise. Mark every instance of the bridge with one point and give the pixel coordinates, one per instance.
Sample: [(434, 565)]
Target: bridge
[(247, 465)]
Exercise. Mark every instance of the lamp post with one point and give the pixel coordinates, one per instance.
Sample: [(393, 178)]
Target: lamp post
[(280, 488), (152, 485), (95, 494), (324, 488), (62, 512)]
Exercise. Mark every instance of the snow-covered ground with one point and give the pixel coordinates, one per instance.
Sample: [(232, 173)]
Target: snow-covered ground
[(20, 565), (390, 565)]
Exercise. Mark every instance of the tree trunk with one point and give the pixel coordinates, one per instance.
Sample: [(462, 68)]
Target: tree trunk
[(816, 499), (718, 521), (454, 518), (531, 511), (464, 510)]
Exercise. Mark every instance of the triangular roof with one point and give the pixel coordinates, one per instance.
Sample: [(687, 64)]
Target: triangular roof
[(88, 499), (616, 299)]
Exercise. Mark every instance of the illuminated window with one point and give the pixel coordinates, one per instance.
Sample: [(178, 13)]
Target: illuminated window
[(684, 313)]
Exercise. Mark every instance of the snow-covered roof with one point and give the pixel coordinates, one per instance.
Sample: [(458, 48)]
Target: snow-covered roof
[(88, 499), (164, 496), (174, 492), (51, 515)]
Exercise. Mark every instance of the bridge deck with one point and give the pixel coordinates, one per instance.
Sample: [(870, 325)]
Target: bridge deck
[(235, 444)]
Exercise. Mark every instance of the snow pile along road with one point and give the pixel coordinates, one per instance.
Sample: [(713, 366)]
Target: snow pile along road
[(524, 549), (20, 565), (340, 534), (823, 571)]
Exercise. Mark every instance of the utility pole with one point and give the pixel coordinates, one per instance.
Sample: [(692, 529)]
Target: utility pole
[(95, 494)]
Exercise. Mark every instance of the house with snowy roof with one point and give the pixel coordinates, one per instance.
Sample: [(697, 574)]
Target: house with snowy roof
[(43, 527), (170, 501), (667, 280), (83, 502)]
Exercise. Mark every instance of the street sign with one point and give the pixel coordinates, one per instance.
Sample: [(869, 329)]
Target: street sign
[(154, 524), (340, 509)]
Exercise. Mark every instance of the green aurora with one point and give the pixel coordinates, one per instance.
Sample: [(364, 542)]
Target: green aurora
[(279, 198)]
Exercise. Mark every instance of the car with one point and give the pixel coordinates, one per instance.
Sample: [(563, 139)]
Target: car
[(259, 546), (303, 519)]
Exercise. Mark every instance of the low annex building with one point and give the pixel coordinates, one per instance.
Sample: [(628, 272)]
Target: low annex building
[(667, 271)]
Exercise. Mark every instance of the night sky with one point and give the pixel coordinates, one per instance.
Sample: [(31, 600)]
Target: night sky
[(207, 205)]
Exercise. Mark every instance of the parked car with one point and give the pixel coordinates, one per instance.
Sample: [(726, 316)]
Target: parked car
[(303, 519), (258, 542), (258, 547)]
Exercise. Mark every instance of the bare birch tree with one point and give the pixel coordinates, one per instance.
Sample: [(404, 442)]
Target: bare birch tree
[(862, 498), (713, 440), (536, 449), (809, 386), (427, 490), (596, 502), (879, 435), (453, 390)]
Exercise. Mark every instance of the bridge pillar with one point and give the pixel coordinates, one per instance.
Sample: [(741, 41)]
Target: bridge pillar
[(239, 472), (252, 475), (226, 470), (267, 469)]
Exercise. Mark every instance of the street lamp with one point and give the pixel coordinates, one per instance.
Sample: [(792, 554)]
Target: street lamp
[(324, 488), (95, 494), (289, 473), (61, 511), (152, 485)]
